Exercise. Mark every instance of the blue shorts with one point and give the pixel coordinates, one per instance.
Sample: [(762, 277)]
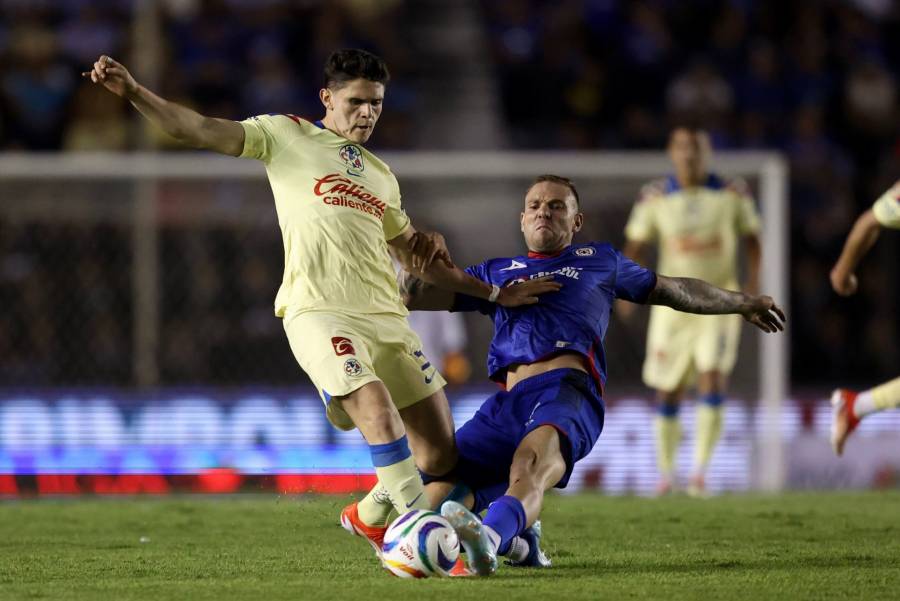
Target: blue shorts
[(566, 399)]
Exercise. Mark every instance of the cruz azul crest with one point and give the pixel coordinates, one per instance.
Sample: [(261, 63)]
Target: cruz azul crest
[(353, 158)]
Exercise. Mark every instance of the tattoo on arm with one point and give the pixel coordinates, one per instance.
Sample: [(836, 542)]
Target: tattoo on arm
[(419, 295), (410, 285), (695, 296)]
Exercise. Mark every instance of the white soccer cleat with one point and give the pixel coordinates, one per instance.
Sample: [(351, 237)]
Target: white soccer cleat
[(479, 551)]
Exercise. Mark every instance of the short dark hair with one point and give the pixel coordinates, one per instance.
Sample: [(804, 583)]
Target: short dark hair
[(348, 64), (558, 179)]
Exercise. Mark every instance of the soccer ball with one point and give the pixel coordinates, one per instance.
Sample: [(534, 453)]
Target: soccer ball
[(420, 544)]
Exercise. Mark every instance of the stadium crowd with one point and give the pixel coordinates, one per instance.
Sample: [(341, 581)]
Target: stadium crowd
[(817, 81)]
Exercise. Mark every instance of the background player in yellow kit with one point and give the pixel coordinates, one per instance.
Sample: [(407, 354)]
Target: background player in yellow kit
[(698, 221), (339, 208), (849, 406)]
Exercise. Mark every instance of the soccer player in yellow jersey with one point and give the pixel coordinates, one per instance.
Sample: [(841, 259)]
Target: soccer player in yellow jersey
[(339, 209), (698, 222), (849, 406)]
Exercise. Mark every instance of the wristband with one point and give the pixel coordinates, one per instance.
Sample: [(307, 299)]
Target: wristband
[(495, 292)]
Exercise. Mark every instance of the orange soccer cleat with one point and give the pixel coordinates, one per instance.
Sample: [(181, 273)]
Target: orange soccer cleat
[(351, 523), (460, 569), (843, 419)]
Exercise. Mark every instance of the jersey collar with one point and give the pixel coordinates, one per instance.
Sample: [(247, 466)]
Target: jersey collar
[(713, 182), (534, 255)]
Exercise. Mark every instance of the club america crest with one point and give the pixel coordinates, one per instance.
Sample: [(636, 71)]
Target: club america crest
[(352, 367), (352, 156)]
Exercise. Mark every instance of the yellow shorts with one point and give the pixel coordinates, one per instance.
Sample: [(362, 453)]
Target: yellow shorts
[(343, 351), (682, 345)]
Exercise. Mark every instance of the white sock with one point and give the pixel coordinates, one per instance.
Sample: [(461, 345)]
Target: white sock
[(493, 537), (864, 405), (518, 549)]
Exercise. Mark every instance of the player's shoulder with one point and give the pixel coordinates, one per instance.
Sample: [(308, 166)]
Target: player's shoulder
[(887, 207), (736, 186), (285, 124), (654, 190), (594, 250), (893, 192)]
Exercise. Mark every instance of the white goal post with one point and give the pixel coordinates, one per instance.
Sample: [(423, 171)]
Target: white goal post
[(148, 169)]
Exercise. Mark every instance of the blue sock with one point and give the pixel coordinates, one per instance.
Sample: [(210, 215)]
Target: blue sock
[(390, 453), (667, 410), (506, 517), (713, 399)]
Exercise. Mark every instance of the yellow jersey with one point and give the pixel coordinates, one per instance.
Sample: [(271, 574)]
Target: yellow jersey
[(337, 205), (697, 229), (887, 208)]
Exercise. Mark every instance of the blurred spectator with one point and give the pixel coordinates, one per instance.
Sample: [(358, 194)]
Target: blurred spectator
[(702, 96), (35, 88), (97, 122), (90, 28)]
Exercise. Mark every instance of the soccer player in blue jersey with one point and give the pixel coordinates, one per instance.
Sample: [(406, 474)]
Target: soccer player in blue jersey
[(549, 357)]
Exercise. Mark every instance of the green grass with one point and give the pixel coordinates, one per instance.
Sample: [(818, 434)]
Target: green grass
[(796, 546)]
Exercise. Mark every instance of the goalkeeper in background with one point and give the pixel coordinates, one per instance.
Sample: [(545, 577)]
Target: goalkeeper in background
[(698, 221), (850, 407)]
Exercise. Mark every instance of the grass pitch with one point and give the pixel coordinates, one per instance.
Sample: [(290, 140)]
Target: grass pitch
[(796, 546)]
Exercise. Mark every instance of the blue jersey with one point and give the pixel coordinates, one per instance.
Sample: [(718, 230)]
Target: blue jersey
[(574, 319)]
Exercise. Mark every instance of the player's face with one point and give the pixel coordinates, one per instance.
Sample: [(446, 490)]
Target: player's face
[(550, 218), (353, 109), (689, 151)]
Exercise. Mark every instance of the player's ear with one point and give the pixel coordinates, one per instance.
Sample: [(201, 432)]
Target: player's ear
[(522, 221), (325, 97), (579, 221)]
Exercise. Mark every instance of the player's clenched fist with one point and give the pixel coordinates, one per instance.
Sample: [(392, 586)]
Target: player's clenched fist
[(114, 76), (425, 247), (843, 283)]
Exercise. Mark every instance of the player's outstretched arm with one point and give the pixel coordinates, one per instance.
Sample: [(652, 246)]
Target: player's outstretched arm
[(863, 235), (187, 126), (696, 296)]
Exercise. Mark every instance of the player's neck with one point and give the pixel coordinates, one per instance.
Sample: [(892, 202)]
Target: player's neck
[(535, 254), (330, 126), (688, 180)]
